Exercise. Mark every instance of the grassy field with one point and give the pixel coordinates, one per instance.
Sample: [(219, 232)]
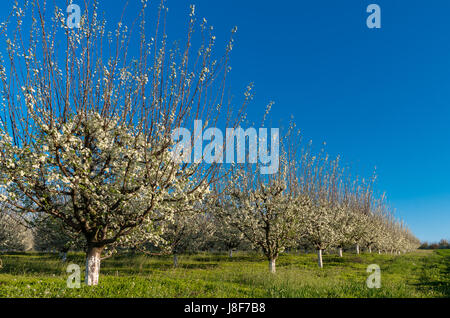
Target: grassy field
[(417, 274)]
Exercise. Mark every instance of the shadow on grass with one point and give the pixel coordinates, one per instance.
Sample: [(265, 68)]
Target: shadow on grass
[(427, 279), (437, 287), (225, 258), (199, 266), (33, 268), (152, 267)]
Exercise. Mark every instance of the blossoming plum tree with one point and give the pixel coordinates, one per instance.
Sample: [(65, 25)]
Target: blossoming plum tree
[(85, 129), (259, 206), (190, 231)]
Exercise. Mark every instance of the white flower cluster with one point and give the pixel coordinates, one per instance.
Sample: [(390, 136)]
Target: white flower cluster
[(115, 182)]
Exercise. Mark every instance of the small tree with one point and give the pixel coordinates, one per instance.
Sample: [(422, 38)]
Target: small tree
[(320, 227), (51, 233), (189, 232), (424, 246), (360, 203), (14, 236), (344, 227), (259, 206), (443, 243), (318, 182), (227, 237)]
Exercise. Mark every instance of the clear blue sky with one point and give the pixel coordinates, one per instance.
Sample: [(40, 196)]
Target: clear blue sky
[(377, 97)]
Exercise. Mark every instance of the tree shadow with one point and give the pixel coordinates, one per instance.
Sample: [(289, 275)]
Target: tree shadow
[(198, 266), (436, 286), (225, 258)]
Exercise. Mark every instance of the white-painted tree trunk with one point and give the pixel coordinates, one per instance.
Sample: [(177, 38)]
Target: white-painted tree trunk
[(357, 248), (272, 266), (93, 265), (370, 249), (340, 251), (175, 260), (230, 253), (379, 252), (319, 258)]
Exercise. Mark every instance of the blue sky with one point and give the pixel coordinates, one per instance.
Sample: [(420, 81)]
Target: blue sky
[(377, 97)]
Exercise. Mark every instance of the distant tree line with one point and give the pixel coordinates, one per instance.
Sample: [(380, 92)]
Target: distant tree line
[(442, 244)]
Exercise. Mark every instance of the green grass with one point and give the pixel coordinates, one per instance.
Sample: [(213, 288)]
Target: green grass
[(417, 274)]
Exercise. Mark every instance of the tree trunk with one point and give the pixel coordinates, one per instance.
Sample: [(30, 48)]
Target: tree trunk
[(379, 252), (357, 248), (64, 257), (272, 266), (93, 265), (340, 251), (370, 249), (230, 253), (319, 258), (175, 260)]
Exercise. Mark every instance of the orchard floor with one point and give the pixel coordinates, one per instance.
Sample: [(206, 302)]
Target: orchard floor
[(417, 274)]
